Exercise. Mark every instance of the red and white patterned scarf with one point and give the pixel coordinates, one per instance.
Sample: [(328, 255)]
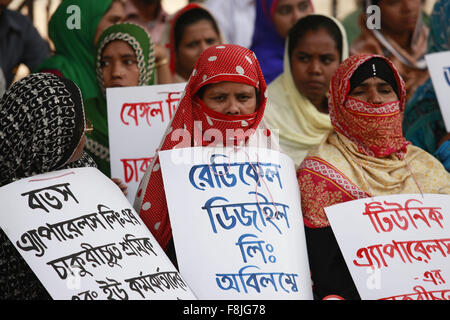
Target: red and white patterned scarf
[(375, 129), (193, 118)]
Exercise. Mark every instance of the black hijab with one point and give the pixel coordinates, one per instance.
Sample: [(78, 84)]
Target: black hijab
[(41, 124), (375, 67)]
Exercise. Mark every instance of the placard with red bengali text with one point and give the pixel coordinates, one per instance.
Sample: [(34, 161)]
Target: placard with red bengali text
[(83, 240), (137, 119), (396, 247)]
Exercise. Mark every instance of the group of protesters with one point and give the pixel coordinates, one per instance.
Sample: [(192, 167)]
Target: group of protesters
[(344, 99)]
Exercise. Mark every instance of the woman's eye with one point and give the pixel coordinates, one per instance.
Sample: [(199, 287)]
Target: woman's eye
[(303, 6), (219, 98), (284, 10), (104, 63), (192, 44), (129, 62), (211, 41), (327, 60)]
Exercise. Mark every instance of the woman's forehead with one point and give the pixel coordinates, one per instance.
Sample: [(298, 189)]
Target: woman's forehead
[(374, 81), (118, 45), (227, 86)]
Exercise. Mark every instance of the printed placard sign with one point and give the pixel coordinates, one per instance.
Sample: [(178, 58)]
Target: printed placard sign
[(84, 241), (396, 247), (439, 68), (137, 119), (236, 222)]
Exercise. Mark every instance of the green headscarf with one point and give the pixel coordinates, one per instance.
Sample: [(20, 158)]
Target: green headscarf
[(97, 143), (74, 44), (141, 43)]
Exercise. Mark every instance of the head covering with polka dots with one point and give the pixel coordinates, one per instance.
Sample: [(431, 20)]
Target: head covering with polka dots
[(192, 120)]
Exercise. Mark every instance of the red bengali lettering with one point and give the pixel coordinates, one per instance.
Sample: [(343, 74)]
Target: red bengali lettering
[(130, 168), (420, 293), (384, 218), (132, 112), (434, 276), (147, 111), (408, 251), (172, 102)]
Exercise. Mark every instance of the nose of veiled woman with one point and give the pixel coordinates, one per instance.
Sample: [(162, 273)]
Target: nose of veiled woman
[(374, 96), (233, 107)]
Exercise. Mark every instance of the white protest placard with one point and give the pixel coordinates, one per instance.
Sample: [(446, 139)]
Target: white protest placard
[(84, 241), (396, 247), (237, 223), (137, 119), (439, 69)]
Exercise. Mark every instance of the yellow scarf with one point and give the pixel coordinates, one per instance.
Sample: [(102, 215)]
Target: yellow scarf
[(301, 126), (417, 172)]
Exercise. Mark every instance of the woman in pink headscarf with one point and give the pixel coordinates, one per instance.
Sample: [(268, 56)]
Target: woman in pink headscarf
[(226, 91)]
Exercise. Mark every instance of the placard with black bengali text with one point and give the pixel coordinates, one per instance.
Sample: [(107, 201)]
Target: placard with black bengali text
[(83, 240)]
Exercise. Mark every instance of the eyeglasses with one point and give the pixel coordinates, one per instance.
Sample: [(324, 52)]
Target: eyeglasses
[(89, 127)]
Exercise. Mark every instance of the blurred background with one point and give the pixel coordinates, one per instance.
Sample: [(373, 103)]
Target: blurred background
[(40, 12)]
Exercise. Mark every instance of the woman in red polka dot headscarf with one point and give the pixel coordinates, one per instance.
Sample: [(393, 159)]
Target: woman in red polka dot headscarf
[(226, 91)]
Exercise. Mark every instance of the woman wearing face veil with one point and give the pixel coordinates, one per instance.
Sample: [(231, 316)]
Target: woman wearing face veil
[(225, 93), (365, 155), (42, 128)]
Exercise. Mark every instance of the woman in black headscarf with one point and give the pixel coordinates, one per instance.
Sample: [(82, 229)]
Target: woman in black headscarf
[(42, 126)]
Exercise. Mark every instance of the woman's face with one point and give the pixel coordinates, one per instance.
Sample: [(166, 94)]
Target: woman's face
[(400, 15), (230, 98), (374, 91), (313, 62), (119, 65), (196, 38), (115, 14), (288, 12)]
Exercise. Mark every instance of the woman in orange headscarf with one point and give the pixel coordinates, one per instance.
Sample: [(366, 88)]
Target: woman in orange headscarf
[(226, 91), (365, 155)]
